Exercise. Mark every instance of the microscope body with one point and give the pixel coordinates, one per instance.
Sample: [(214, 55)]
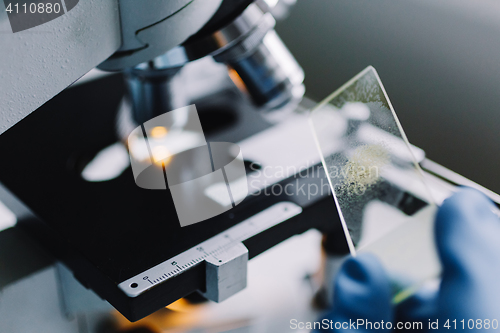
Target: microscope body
[(151, 43), (222, 55), (63, 49), (121, 34)]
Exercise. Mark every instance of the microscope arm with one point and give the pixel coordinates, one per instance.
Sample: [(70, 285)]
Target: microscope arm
[(39, 62)]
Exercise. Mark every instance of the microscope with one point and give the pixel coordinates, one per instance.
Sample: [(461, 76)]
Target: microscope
[(222, 56), (150, 42), (124, 242)]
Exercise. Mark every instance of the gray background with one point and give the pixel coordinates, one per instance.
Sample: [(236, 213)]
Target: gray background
[(438, 59)]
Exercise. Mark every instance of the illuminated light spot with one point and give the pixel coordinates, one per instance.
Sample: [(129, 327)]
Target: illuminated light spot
[(158, 132), (181, 305), (161, 155), (237, 80)]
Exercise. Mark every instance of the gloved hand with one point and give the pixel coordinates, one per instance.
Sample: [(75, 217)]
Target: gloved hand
[(468, 242)]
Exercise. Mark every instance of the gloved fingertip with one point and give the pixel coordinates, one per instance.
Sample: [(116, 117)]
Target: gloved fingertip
[(466, 202), (362, 268), (362, 289), (461, 216), (467, 233)]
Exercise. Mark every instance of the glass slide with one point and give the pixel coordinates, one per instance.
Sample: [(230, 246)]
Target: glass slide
[(383, 201)]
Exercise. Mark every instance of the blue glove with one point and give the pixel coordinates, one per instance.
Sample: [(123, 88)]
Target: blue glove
[(468, 242)]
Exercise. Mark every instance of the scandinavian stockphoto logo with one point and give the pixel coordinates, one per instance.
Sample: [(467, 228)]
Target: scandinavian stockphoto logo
[(26, 14), (170, 152)]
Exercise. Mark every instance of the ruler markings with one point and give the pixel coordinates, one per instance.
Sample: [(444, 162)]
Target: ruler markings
[(215, 245)]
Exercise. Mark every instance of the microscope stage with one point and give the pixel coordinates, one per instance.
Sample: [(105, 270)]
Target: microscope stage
[(111, 231)]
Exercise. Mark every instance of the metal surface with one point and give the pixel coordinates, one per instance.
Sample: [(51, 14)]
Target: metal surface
[(243, 26), (153, 29), (152, 91), (226, 273), (135, 18), (270, 74), (281, 8), (210, 250), (262, 65)]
